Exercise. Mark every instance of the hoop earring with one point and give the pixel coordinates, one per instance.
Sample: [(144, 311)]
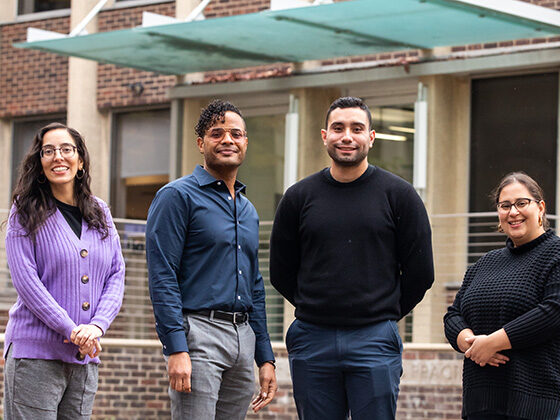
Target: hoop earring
[(41, 179), (540, 220), (500, 229), (80, 173)]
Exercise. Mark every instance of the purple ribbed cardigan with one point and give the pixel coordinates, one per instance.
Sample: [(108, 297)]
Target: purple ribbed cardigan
[(52, 298)]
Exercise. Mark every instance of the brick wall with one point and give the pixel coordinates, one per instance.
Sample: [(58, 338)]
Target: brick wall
[(133, 386), (31, 82), (113, 83), (220, 8)]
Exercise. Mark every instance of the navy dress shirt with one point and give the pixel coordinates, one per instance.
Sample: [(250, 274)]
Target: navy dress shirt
[(202, 251)]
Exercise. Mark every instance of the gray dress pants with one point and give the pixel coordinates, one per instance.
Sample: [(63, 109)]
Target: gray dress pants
[(36, 389), (223, 382)]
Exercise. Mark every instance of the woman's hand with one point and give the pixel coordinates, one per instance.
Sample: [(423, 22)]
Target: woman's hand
[(462, 339), (86, 336), (484, 349)]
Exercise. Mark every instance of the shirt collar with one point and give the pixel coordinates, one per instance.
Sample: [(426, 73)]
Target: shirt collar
[(204, 178)]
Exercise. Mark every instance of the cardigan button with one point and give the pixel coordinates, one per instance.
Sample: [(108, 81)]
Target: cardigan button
[(85, 279), (85, 306), (83, 253)]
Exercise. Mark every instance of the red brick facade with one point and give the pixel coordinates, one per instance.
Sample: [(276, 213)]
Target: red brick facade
[(220, 8), (113, 83), (31, 82)]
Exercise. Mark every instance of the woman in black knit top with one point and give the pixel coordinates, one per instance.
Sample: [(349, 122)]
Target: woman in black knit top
[(506, 316)]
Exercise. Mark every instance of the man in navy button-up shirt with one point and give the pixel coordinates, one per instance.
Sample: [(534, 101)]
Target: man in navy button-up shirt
[(202, 247)]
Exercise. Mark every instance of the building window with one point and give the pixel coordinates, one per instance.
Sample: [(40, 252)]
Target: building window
[(35, 6), (393, 148), (23, 134), (140, 165)]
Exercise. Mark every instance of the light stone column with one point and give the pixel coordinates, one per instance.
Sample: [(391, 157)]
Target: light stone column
[(8, 11), (5, 165), (446, 193), (191, 154), (190, 107), (83, 114), (182, 9), (312, 155), (313, 106)]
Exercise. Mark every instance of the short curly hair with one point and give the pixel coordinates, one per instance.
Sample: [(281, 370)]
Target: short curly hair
[(213, 112)]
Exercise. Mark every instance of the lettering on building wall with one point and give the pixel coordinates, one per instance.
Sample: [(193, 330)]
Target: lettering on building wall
[(432, 372)]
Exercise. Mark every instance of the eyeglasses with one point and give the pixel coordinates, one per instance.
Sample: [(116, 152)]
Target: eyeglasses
[(66, 151), (520, 204), (218, 134)]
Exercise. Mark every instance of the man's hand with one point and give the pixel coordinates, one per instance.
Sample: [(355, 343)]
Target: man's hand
[(179, 369), (267, 381)]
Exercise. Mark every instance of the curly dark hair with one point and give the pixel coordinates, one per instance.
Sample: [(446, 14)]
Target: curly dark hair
[(34, 200), (349, 102), (213, 112)]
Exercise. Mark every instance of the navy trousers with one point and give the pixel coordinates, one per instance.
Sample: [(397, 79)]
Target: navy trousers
[(337, 372)]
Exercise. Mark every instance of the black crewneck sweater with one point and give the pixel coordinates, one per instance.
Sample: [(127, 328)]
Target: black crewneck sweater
[(349, 254), (517, 289)]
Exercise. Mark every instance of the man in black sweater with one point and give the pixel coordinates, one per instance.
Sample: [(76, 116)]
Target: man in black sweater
[(351, 250)]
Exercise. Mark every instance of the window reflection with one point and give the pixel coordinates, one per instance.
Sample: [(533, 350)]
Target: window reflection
[(35, 6), (263, 168), (140, 161), (263, 173), (393, 148)]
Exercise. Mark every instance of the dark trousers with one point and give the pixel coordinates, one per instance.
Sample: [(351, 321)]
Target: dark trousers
[(337, 372)]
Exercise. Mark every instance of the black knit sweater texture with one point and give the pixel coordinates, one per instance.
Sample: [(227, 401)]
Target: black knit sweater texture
[(518, 289), (350, 254)]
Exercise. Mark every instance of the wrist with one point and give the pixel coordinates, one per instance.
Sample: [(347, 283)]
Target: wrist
[(500, 340), (99, 328), (270, 362)]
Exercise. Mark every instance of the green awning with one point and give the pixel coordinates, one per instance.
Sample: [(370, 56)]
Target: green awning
[(356, 27)]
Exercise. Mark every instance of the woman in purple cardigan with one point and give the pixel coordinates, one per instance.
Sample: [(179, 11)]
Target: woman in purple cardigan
[(66, 264)]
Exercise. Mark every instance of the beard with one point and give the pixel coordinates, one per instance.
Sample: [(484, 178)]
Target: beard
[(351, 160)]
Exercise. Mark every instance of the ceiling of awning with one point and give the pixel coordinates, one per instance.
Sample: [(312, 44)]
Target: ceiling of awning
[(356, 27)]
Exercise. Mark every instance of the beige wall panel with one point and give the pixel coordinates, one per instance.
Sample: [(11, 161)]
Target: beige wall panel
[(184, 7), (312, 154), (8, 11), (6, 164), (191, 154), (313, 106), (83, 114), (446, 193)]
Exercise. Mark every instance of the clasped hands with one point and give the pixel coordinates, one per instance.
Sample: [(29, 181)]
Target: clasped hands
[(484, 349), (86, 336)]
